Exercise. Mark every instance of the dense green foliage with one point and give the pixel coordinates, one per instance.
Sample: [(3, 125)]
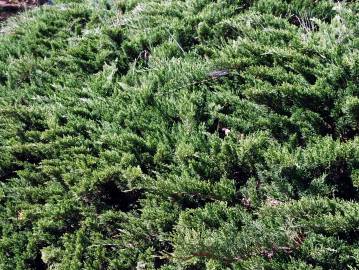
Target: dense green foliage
[(189, 134)]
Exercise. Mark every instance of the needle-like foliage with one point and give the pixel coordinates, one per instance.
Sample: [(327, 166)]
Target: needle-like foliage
[(188, 134)]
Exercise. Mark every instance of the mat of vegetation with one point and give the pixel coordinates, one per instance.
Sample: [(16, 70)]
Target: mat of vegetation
[(180, 135)]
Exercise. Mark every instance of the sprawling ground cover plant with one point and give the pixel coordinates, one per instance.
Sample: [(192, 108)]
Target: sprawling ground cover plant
[(180, 135)]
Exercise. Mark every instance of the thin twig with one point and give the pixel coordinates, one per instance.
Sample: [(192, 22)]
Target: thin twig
[(175, 41)]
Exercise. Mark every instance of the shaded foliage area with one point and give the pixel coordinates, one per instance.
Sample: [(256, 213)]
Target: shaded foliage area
[(180, 135)]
